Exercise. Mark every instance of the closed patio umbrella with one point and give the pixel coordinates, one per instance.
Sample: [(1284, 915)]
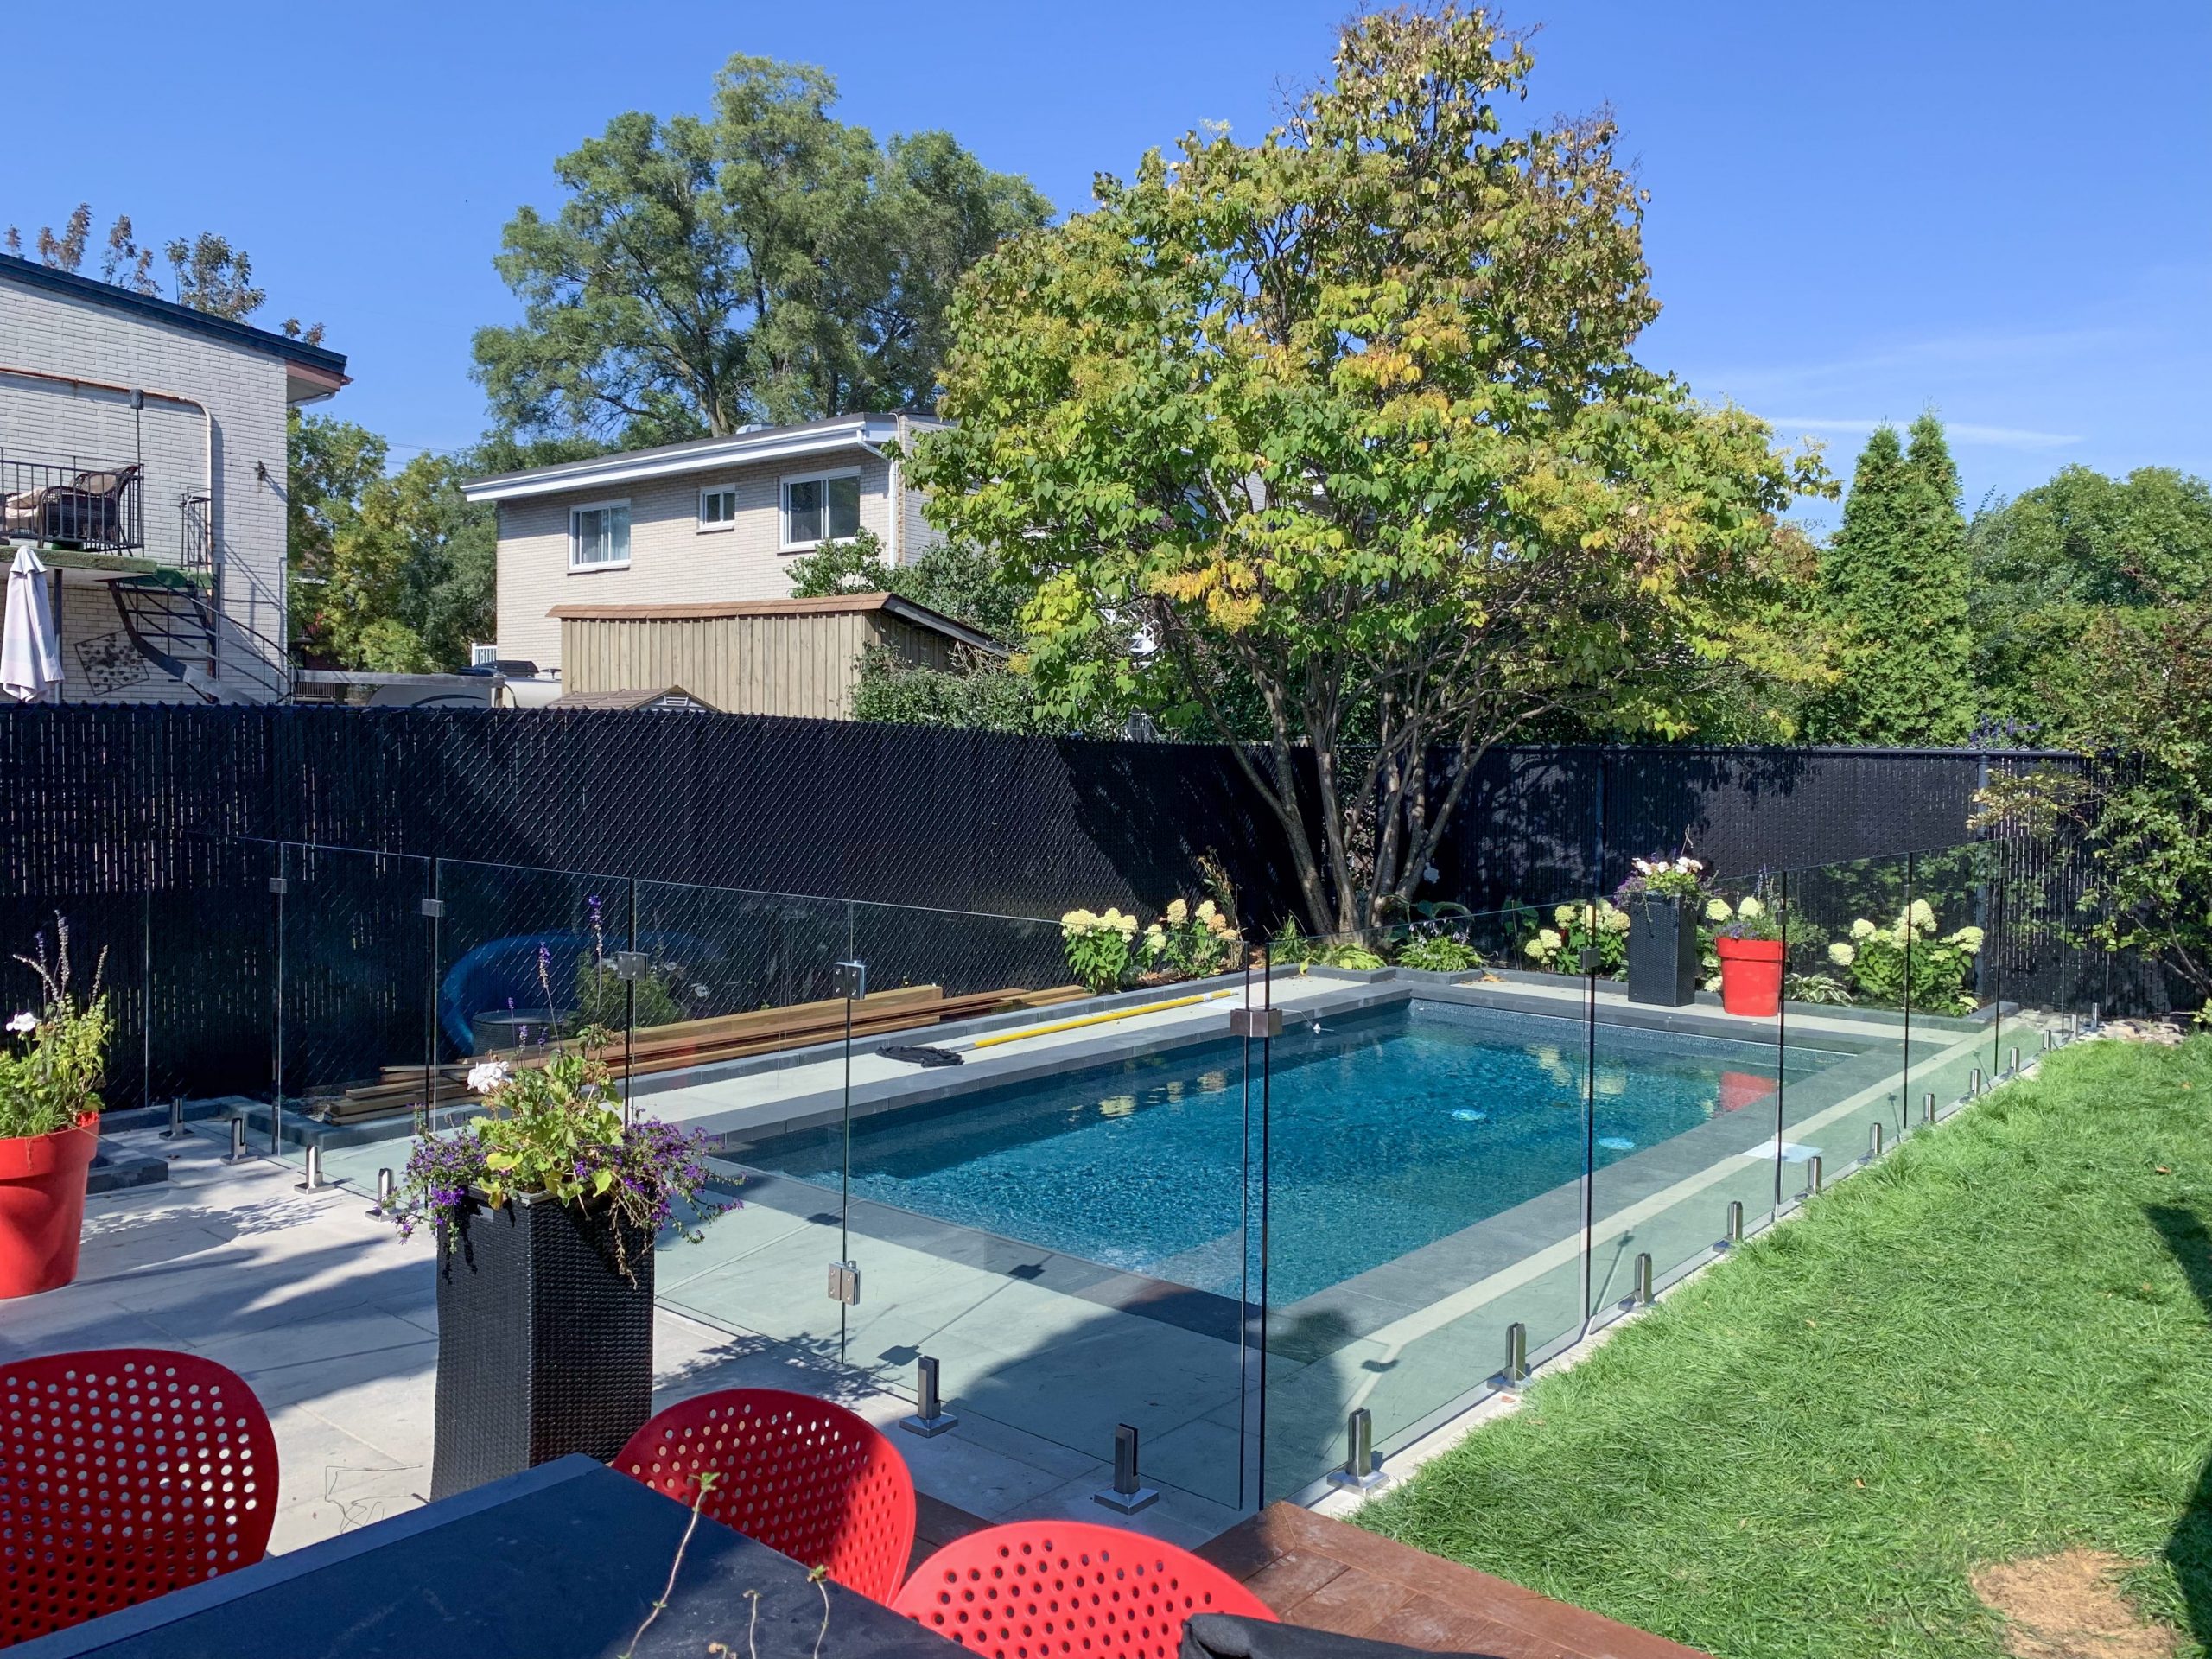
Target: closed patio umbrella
[(30, 647)]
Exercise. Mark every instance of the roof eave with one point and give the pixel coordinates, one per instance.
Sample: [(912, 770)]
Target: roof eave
[(741, 449)]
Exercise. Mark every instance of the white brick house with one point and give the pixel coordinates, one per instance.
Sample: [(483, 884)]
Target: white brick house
[(143, 454), (714, 521)]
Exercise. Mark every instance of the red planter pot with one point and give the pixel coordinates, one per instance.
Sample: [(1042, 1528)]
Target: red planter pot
[(1751, 976), (42, 1206)]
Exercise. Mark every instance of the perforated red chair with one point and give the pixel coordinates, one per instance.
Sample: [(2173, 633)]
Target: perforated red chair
[(1063, 1587), (798, 1474), (124, 1473)]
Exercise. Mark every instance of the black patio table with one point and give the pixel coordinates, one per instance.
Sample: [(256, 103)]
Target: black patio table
[(562, 1561)]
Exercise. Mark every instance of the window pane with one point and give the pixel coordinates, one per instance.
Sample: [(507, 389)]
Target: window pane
[(618, 534), (804, 503), (844, 506), (591, 530)]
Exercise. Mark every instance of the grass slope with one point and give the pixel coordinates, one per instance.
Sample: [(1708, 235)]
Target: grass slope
[(1995, 1345)]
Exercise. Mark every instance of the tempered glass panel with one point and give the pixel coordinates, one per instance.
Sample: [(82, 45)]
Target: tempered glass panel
[(1424, 1148), (738, 1034), (1947, 977), (1685, 1108), (1847, 1058), (1057, 1216), (354, 1006)]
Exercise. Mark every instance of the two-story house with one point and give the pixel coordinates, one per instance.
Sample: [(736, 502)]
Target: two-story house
[(659, 568), (143, 457)]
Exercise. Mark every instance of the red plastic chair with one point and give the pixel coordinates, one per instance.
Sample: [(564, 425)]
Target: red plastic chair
[(1053, 1586), (798, 1474), (125, 1474)]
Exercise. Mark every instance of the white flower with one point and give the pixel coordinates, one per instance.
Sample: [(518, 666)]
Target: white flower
[(486, 1076), (1689, 864), (1921, 915), (1179, 911), (1841, 954), (1716, 910), (1617, 921), (1206, 909), (1552, 940), (1968, 939), (23, 1024), (1862, 928), (1750, 908), (1538, 949), (1564, 915), (1712, 981)]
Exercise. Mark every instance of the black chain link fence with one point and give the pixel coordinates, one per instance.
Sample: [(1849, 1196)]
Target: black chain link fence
[(146, 826)]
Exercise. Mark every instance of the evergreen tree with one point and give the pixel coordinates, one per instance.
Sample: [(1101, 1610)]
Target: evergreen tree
[(1894, 583)]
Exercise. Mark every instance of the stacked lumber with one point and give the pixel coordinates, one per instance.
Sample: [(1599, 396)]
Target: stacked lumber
[(400, 1089)]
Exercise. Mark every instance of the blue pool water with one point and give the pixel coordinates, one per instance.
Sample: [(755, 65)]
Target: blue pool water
[(1387, 1132)]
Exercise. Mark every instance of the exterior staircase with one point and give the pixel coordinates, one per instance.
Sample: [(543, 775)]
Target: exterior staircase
[(176, 625)]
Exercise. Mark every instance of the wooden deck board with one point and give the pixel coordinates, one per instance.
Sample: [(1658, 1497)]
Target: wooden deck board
[(1325, 1575)]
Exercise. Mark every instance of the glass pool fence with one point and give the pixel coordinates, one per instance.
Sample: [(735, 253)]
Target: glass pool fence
[(1265, 1213)]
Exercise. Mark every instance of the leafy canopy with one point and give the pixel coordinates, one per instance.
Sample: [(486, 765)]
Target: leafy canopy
[(768, 263), (2048, 562), (391, 572), (1345, 427)]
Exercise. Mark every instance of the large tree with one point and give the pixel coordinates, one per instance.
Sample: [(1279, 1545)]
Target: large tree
[(769, 263), (1894, 586), (2051, 562), (1336, 439)]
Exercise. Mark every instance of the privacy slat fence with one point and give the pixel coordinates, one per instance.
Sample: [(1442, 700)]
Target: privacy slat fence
[(126, 818)]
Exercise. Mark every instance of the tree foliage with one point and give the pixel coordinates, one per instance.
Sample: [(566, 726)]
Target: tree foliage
[(768, 263), (1345, 425), (391, 572), (208, 273), (2047, 565), (1894, 590)]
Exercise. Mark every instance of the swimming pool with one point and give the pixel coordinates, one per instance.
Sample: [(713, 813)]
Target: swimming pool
[(1387, 1131)]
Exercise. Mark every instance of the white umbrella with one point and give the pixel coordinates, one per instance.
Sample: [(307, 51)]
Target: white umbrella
[(30, 648)]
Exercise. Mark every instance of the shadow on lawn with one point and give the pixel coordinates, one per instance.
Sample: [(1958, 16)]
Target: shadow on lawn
[(2189, 1549)]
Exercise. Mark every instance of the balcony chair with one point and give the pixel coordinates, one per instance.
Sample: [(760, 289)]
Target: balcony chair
[(798, 1474), (1043, 1586), (125, 1474), (87, 510)]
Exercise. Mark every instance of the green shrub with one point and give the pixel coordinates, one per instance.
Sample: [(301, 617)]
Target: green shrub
[(53, 1078), (1439, 953)]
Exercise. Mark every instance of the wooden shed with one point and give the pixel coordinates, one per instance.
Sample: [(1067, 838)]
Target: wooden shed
[(753, 657)]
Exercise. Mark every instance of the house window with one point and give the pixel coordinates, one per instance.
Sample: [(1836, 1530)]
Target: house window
[(718, 506), (822, 509), (599, 535)]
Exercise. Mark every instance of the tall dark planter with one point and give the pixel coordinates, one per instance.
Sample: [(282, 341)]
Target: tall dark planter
[(544, 1347), (1662, 958)]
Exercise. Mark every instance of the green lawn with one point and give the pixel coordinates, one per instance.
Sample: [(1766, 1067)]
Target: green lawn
[(1996, 1344)]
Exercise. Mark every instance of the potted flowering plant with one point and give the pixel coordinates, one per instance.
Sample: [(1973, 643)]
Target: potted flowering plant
[(1747, 939), (546, 1208), (1661, 898), (50, 1071)]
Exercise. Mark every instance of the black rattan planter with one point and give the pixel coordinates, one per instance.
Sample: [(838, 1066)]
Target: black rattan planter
[(1662, 955), (544, 1348)]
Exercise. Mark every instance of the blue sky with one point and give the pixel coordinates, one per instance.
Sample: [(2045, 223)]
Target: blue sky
[(2001, 210)]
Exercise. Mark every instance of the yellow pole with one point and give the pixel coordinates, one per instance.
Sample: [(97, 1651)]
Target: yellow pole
[(1093, 1019)]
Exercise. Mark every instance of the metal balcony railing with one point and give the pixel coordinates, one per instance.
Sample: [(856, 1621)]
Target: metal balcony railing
[(89, 505)]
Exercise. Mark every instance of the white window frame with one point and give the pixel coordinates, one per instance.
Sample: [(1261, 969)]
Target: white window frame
[(577, 569), (730, 523), (784, 508)]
